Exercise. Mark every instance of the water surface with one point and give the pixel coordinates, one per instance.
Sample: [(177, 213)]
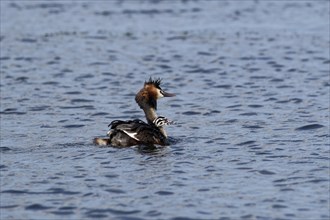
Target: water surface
[(252, 109)]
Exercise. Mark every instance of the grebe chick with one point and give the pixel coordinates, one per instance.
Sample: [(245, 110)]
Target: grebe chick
[(137, 132), (161, 121)]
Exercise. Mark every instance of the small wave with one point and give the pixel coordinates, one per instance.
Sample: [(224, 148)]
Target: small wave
[(36, 207), (73, 126), (309, 127)]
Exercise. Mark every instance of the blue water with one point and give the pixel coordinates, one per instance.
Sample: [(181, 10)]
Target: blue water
[(251, 139)]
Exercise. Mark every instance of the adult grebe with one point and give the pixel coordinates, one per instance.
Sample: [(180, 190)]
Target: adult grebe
[(137, 132)]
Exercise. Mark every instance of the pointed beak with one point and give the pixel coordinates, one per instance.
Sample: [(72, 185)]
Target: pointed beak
[(166, 94)]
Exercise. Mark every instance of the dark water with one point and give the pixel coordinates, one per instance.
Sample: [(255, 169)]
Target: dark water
[(252, 109)]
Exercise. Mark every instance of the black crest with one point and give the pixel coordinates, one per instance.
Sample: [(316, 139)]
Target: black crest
[(155, 82)]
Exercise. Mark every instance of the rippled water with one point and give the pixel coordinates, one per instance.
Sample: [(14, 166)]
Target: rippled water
[(251, 139)]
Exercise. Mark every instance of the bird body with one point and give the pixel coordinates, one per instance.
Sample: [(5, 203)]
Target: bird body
[(137, 132)]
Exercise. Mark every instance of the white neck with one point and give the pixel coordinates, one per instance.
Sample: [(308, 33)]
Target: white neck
[(151, 115)]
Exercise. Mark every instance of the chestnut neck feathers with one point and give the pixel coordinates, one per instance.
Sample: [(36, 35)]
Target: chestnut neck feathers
[(147, 97)]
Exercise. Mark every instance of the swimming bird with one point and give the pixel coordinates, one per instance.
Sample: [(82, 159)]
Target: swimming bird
[(137, 132)]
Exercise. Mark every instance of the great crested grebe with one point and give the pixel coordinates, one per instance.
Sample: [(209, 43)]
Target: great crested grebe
[(137, 132)]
